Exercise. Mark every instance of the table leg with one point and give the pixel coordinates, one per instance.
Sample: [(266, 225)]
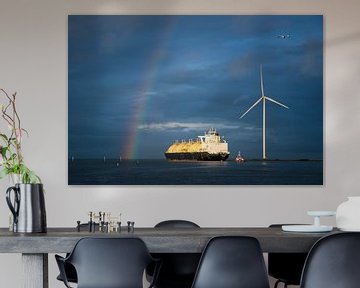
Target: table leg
[(35, 270)]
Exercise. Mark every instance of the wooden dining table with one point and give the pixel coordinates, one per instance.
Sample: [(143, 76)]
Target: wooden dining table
[(35, 247)]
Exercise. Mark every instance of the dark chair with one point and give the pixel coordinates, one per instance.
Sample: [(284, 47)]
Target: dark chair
[(176, 224), (178, 269), (286, 267), (232, 262), (333, 262), (69, 269), (108, 262)]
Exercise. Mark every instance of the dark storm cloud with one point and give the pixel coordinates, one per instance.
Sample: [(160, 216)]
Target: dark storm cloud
[(191, 70)]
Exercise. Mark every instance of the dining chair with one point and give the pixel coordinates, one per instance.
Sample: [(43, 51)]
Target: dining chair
[(333, 262), (178, 269), (286, 267), (70, 271), (108, 263), (232, 262)]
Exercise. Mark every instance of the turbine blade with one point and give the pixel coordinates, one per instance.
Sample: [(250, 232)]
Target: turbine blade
[(276, 102), (261, 81), (251, 107)]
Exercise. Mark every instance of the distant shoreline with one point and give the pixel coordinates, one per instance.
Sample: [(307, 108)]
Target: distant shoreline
[(228, 160), (283, 160)]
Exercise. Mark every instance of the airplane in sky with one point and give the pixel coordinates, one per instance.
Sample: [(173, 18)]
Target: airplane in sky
[(283, 36)]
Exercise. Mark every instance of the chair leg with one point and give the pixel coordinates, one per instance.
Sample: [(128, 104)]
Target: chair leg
[(279, 281)]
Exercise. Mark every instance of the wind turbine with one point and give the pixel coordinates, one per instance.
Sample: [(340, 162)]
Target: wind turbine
[(263, 98)]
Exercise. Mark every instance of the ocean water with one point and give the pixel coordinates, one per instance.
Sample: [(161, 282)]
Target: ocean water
[(162, 172)]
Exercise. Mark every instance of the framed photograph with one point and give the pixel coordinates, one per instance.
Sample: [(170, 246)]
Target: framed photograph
[(195, 100)]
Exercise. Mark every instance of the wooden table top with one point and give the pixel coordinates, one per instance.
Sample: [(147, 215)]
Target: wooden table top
[(158, 240)]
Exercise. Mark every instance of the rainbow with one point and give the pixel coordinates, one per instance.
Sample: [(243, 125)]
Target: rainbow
[(131, 140)]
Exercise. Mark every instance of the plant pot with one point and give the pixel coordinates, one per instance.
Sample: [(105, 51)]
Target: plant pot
[(27, 207), (348, 214), (15, 179)]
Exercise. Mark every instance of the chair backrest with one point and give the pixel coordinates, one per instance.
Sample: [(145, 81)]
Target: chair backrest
[(232, 262), (176, 224), (333, 262), (286, 267), (110, 262), (178, 269)]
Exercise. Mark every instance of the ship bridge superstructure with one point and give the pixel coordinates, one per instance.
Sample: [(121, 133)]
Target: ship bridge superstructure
[(211, 136), (213, 143)]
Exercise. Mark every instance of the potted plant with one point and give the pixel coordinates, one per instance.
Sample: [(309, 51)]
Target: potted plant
[(11, 158), (26, 197)]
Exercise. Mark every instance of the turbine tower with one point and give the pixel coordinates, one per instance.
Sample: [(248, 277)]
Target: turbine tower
[(263, 98)]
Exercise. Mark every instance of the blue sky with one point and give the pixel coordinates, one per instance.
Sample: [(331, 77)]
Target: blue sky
[(137, 83)]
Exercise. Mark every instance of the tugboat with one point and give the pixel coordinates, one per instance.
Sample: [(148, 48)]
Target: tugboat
[(208, 147), (239, 158)]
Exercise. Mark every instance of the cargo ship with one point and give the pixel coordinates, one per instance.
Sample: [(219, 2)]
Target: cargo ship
[(208, 147)]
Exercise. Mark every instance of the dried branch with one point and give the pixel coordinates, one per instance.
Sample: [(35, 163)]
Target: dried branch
[(12, 159)]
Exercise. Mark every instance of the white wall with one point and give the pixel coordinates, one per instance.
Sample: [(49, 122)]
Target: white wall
[(33, 62)]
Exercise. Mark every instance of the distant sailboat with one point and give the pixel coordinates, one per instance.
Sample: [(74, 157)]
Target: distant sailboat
[(104, 158), (72, 158), (118, 162)]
